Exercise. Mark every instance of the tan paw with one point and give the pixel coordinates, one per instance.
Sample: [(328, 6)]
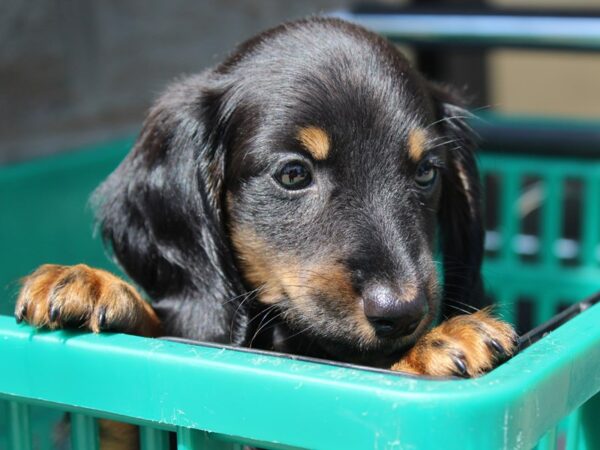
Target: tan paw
[(464, 346), (78, 296)]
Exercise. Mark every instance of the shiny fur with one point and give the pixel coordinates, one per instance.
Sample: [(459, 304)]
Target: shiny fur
[(196, 218)]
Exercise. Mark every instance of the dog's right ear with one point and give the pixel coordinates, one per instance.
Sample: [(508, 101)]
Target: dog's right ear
[(161, 213)]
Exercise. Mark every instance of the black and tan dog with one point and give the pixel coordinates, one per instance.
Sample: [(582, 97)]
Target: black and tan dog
[(292, 198)]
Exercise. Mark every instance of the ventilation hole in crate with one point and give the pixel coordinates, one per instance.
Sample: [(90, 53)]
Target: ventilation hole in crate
[(568, 246), (527, 242), (491, 186), (524, 321)]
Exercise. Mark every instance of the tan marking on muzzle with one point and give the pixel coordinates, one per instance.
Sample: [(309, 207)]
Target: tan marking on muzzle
[(334, 281), (408, 293), (316, 141), (278, 276), (273, 274)]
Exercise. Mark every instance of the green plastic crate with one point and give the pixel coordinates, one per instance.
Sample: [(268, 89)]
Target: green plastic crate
[(213, 398), (220, 398)]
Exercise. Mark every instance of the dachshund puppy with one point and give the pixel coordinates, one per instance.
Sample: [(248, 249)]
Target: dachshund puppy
[(294, 198)]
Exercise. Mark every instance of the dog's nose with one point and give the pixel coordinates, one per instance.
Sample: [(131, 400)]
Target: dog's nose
[(391, 315)]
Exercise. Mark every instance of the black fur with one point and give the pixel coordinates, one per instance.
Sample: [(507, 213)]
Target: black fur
[(203, 168)]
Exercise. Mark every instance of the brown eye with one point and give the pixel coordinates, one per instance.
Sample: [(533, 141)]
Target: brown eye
[(294, 175), (426, 175)]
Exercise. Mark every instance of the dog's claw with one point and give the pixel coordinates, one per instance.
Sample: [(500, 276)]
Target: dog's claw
[(516, 341), (102, 317), (494, 344), (20, 315), (57, 297), (54, 313), (461, 366)]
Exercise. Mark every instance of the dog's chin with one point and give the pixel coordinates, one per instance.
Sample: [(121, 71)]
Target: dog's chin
[(377, 352), (342, 339), (380, 353)]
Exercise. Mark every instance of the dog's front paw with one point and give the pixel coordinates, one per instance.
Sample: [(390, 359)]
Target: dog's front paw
[(464, 346), (78, 296)]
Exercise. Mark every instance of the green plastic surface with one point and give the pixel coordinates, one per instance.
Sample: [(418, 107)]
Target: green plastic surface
[(273, 400), (45, 216), (547, 282), (229, 396)]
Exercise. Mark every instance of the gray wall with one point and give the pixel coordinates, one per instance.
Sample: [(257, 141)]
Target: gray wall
[(75, 72)]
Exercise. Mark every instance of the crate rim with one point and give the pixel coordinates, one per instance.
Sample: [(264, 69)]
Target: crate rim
[(536, 381)]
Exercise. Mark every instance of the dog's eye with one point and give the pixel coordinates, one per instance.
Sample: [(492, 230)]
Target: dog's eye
[(294, 175), (426, 174)]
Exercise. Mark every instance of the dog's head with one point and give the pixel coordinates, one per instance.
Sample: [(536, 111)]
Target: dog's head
[(312, 173)]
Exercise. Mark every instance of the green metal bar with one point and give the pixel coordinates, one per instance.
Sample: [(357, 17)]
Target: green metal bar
[(153, 439), (84, 432), (590, 241), (19, 428), (551, 219)]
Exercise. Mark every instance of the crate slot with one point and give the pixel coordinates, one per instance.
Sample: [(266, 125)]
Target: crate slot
[(568, 246), (491, 192), (527, 243), (551, 218), (525, 313)]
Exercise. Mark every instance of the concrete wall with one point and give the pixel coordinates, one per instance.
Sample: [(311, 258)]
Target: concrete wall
[(74, 72)]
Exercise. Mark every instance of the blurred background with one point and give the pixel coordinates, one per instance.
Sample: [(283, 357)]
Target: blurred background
[(74, 73), (80, 74)]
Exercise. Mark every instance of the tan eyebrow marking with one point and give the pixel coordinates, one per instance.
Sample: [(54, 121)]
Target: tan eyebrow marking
[(316, 141), (416, 144)]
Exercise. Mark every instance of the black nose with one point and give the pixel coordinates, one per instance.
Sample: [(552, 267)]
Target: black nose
[(391, 314)]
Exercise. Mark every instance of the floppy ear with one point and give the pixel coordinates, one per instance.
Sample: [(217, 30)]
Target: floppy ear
[(161, 213), (460, 214)]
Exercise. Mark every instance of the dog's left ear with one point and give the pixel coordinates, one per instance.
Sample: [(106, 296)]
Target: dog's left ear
[(460, 214)]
